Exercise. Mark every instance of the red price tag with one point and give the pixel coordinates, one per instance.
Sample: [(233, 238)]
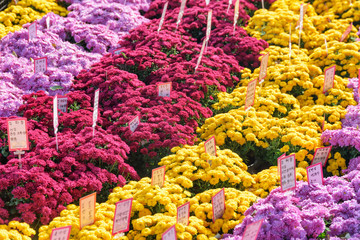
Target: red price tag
[(17, 131), (315, 174), (158, 176), (321, 155), (87, 210), (164, 89), (32, 31), (218, 205), (183, 214), (163, 16), (251, 232), (122, 216), (329, 78), (208, 27), (62, 104), (133, 124), (250, 94), (287, 172), (40, 65), (170, 234), (346, 33), (62, 233), (263, 68)]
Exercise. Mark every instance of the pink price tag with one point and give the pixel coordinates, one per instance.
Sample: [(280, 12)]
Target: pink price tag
[(62, 104), (218, 205), (163, 16), (263, 68), (321, 155), (250, 94), (17, 131), (40, 65), (208, 26), (62, 233), (32, 29), (278, 162), (87, 210), (183, 214), (287, 172), (122, 216), (118, 51), (133, 124), (252, 230), (158, 176), (315, 174), (164, 89), (170, 234), (346, 33), (329, 78)]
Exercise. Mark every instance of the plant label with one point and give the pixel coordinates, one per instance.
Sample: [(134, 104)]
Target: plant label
[(321, 155), (346, 33), (122, 216), (55, 114), (62, 233), (170, 234), (32, 31), (62, 104), (87, 210), (287, 172), (133, 124), (183, 214), (329, 78), (210, 147), (40, 65), (164, 89), (48, 22), (218, 205), (250, 94), (263, 68), (252, 230), (315, 174), (158, 176), (17, 131)]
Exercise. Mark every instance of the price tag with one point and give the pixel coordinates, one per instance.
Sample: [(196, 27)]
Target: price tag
[(55, 114), (170, 234), (164, 89), (210, 147), (62, 104), (236, 13), (122, 216), (207, 2), (181, 13), (278, 162), (301, 19), (17, 131), (48, 22), (163, 16), (252, 230), (346, 33), (315, 174), (287, 172), (62, 233), (183, 214), (201, 55), (87, 210), (158, 176), (133, 124), (218, 205), (40, 65), (250, 94), (32, 31), (208, 26), (263, 68), (96, 109), (118, 51), (329, 78), (321, 155)]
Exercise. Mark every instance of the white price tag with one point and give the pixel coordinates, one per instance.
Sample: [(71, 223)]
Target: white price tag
[(158, 176), (62, 233), (252, 230), (122, 216), (164, 89), (32, 31), (263, 67), (133, 124), (55, 114), (62, 104), (40, 65), (321, 155), (87, 210), (207, 2), (48, 22), (329, 78), (170, 234), (250, 94), (17, 131), (96, 108), (183, 214), (163, 16), (287, 172), (208, 26), (218, 204), (315, 174)]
